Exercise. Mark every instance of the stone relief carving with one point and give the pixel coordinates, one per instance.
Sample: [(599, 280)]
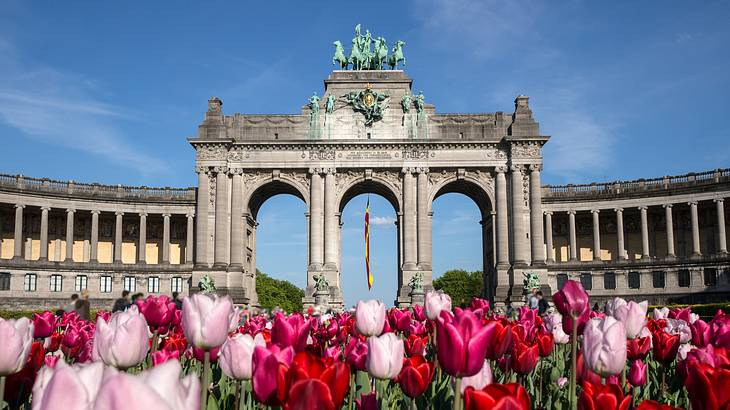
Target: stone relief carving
[(237, 154), (435, 178), (391, 177), (415, 153), (494, 153), (212, 152), (526, 188), (322, 154), (485, 177), (211, 189), (525, 150), (251, 178), (300, 177), (344, 179)]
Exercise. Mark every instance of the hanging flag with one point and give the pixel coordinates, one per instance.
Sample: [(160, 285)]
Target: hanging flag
[(367, 244)]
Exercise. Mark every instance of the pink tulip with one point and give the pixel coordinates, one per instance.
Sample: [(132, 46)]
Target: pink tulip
[(571, 300), (51, 360), (158, 311), (236, 355), (385, 356), (17, 338), (269, 366), (419, 312), (660, 313), (700, 333), (124, 341), (205, 319), (291, 331), (633, 316), (436, 301), (67, 387), (554, 324), (479, 380), (44, 324), (158, 388), (681, 328), (356, 354), (604, 346), (106, 314), (637, 373), (162, 356), (370, 317), (462, 342)]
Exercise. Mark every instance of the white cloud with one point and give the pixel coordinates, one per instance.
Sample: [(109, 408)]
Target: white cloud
[(382, 220)]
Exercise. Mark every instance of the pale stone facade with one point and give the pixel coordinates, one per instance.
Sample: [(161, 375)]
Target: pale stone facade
[(107, 238)]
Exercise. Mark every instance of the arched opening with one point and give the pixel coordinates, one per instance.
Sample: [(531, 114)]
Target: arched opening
[(384, 246), (462, 232)]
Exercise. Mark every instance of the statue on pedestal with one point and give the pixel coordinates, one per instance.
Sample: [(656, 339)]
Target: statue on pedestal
[(206, 285)]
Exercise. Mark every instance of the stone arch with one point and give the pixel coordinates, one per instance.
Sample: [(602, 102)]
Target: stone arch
[(259, 191), (483, 196), (375, 185)]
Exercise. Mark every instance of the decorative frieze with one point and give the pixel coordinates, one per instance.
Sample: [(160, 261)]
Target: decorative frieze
[(525, 150), (212, 152)]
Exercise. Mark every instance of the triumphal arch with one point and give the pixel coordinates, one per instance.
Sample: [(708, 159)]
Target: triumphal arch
[(369, 132)]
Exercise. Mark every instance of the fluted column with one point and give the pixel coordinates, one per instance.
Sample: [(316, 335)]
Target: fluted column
[(596, 235), (70, 234), (18, 238), (424, 220), (201, 213), (519, 237), (331, 221), (142, 251), (44, 233), (571, 236), (94, 251), (549, 236), (670, 230), (696, 251), (722, 248), (165, 238), (644, 233), (409, 221), (189, 239), (620, 245), (222, 245), (316, 220), (537, 236), (502, 221), (237, 246), (118, 237)]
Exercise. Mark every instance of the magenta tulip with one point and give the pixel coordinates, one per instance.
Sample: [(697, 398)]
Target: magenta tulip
[(269, 368), (385, 356), (462, 342), (637, 373), (571, 300), (291, 331), (356, 354), (700, 333), (205, 319), (158, 311), (236, 355), (67, 387), (161, 356), (419, 312), (17, 339), (124, 341), (44, 324), (604, 346), (436, 301), (370, 317), (400, 320)]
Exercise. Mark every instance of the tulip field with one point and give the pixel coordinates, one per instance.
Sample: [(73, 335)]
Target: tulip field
[(212, 355)]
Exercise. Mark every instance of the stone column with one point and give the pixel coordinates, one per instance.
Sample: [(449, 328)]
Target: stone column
[(695, 230), (118, 237), (237, 245), (571, 232), (409, 221), (189, 239), (596, 235), (423, 218), (330, 220), (44, 233), (722, 248), (536, 232), (94, 251), (519, 237), (201, 212), (620, 246), (670, 231), (644, 234), (166, 238), (221, 218), (70, 234), (549, 236), (502, 222), (316, 220), (18, 238), (142, 251)]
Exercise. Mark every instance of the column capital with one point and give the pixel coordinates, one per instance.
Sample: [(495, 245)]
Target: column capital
[(45, 208), (642, 207), (235, 171), (316, 171), (329, 171), (70, 210), (535, 167), (21, 206), (595, 211), (166, 215), (95, 212), (118, 213), (143, 214), (571, 212), (202, 169), (422, 170), (548, 213), (691, 203), (408, 170), (220, 169), (516, 168), (720, 200), (190, 215), (501, 169), (668, 206)]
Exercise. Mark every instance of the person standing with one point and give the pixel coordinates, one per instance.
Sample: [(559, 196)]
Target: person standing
[(121, 303), (542, 304), (72, 305), (176, 299), (83, 307), (533, 301)]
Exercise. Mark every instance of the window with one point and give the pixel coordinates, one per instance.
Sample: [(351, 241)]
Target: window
[(683, 278), (586, 280), (153, 284), (609, 280), (130, 283), (82, 282), (634, 280), (4, 281), (105, 284), (56, 283), (177, 284), (658, 278), (710, 276), (562, 278), (30, 282)]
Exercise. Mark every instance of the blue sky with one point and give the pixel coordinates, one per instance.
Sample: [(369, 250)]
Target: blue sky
[(93, 91)]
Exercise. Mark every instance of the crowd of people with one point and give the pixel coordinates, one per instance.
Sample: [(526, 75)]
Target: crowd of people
[(81, 305)]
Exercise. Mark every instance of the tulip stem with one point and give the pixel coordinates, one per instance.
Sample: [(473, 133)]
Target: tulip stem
[(2, 389), (573, 363), (351, 401), (237, 402), (155, 341), (205, 382), (457, 394)]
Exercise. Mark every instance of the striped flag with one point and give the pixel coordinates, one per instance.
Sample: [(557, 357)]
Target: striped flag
[(367, 244)]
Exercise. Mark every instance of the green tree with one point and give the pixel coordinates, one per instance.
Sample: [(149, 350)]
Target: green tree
[(460, 285), (274, 292)]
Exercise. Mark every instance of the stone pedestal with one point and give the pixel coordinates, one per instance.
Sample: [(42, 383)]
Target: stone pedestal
[(418, 297)]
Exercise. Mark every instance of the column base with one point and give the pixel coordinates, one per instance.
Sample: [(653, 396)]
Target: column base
[(670, 257), (645, 258), (539, 264), (235, 267), (722, 253), (407, 266), (219, 265)]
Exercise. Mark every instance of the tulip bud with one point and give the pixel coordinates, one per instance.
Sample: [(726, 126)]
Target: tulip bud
[(637, 373), (604, 346), (633, 316), (370, 317), (236, 355), (385, 356), (436, 301), (124, 341), (44, 324), (17, 339), (205, 319), (70, 387)]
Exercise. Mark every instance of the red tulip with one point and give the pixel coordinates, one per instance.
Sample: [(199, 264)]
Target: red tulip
[(584, 374), (545, 342), (310, 394), (367, 402), (462, 342), (415, 376), (637, 373), (336, 376), (510, 396), (54, 342), (356, 354), (707, 386), (399, 319), (44, 324), (665, 347), (700, 333), (501, 341), (415, 345), (653, 405), (158, 311), (638, 349), (524, 358), (18, 385), (270, 367), (291, 331), (680, 313), (603, 397), (720, 331)]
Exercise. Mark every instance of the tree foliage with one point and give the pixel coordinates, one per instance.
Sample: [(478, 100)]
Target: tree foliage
[(278, 293), (460, 285)]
